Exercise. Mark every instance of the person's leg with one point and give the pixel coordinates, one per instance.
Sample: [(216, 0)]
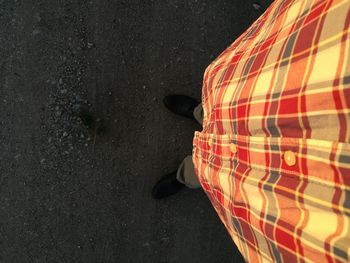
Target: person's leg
[(185, 172), (198, 113)]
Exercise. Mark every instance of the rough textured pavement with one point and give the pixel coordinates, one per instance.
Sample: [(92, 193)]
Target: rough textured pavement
[(84, 134)]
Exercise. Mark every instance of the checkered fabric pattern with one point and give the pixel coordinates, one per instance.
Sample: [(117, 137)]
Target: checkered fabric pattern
[(274, 152)]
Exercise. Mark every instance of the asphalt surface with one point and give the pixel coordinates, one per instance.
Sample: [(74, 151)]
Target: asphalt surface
[(84, 134)]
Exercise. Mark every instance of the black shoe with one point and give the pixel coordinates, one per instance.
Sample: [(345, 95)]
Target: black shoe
[(166, 186), (181, 104)]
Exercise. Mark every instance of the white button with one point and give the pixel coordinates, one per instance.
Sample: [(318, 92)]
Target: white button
[(233, 148), (289, 158)]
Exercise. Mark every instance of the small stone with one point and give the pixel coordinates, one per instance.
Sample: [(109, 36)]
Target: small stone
[(76, 107), (37, 16), (256, 6), (65, 134), (36, 32)]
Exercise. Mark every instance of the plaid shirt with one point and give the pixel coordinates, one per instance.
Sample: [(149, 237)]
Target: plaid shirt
[(274, 152)]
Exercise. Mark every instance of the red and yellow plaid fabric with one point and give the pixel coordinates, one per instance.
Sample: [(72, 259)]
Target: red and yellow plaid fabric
[(274, 152)]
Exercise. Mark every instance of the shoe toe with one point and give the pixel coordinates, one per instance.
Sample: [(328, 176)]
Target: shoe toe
[(166, 186), (180, 104)]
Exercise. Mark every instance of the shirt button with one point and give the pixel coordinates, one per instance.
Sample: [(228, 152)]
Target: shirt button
[(233, 148), (289, 158)]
